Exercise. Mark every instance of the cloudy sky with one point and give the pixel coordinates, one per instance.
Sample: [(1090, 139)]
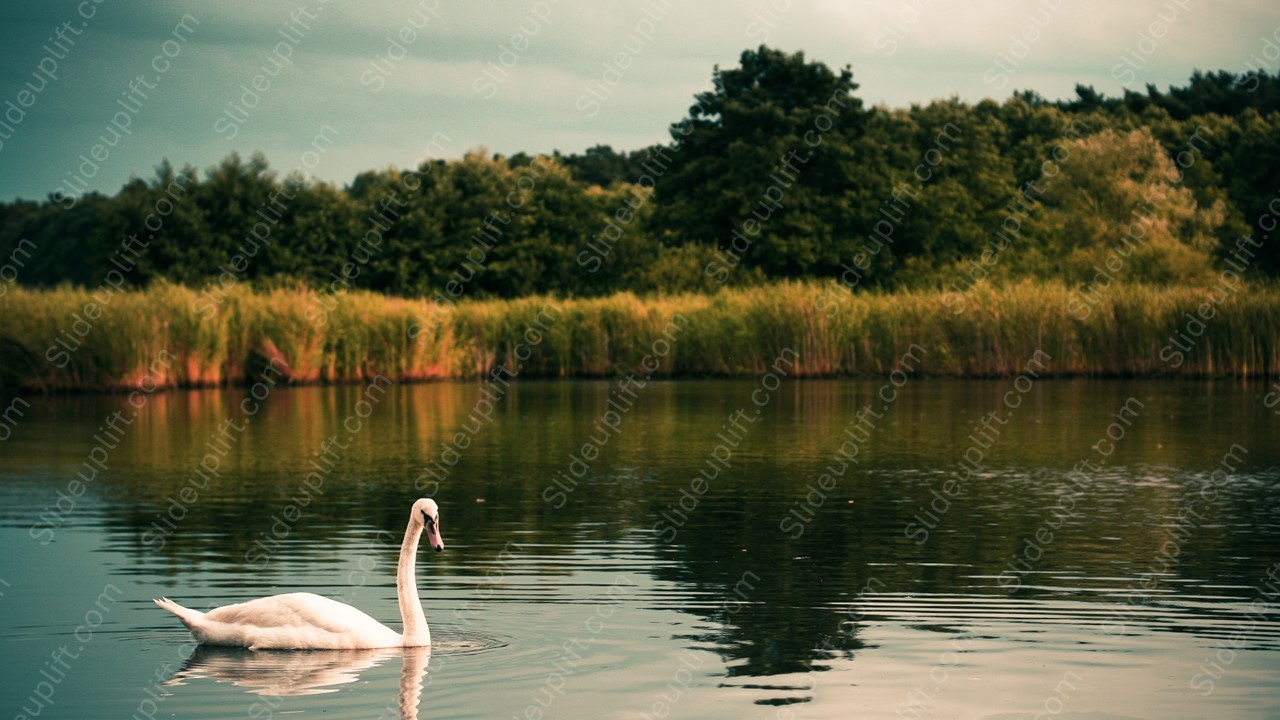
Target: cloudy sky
[(96, 91)]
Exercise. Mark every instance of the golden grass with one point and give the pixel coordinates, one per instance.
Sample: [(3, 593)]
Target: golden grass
[(132, 339)]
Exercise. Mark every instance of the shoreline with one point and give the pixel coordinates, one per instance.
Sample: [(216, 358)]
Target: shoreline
[(355, 383)]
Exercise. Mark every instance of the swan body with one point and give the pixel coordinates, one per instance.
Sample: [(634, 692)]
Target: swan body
[(298, 621), (284, 622)]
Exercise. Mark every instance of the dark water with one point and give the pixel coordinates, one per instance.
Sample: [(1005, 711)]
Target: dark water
[(714, 554)]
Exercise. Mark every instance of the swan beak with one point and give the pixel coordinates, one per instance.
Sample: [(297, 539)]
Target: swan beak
[(433, 537)]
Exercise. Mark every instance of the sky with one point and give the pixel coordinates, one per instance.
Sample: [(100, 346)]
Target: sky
[(94, 92)]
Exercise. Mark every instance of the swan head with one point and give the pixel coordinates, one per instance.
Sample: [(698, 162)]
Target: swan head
[(427, 513)]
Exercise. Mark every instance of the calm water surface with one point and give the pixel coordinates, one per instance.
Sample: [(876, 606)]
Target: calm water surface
[(681, 550)]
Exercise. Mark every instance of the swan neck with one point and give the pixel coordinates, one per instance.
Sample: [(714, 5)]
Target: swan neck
[(415, 622)]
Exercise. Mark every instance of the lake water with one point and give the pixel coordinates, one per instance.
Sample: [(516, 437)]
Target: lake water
[(754, 549)]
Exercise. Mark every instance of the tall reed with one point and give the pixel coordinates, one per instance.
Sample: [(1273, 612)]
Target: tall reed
[(74, 339)]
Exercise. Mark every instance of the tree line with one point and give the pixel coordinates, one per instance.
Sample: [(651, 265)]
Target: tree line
[(777, 171)]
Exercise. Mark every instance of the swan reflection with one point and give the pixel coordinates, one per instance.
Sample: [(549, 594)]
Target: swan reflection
[(307, 672)]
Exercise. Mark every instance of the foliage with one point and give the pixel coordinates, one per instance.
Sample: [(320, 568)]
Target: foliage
[(777, 172), (767, 165), (1116, 202)]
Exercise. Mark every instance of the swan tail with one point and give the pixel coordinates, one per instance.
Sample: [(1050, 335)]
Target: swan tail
[(190, 618)]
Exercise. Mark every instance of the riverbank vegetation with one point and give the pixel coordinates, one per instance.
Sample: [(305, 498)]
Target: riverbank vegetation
[(1119, 236), (68, 339)]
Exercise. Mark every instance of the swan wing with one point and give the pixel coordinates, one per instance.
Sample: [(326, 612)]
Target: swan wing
[(296, 620)]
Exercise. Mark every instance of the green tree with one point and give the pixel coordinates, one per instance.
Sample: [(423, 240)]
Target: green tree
[(156, 229), (556, 214), (408, 261), (957, 191), (601, 165), (316, 233), (67, 242), (767, 154), (1117, 198), (231, 197), (1250, 171)]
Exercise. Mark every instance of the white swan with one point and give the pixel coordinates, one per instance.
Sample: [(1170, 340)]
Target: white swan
[(305, 621)]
